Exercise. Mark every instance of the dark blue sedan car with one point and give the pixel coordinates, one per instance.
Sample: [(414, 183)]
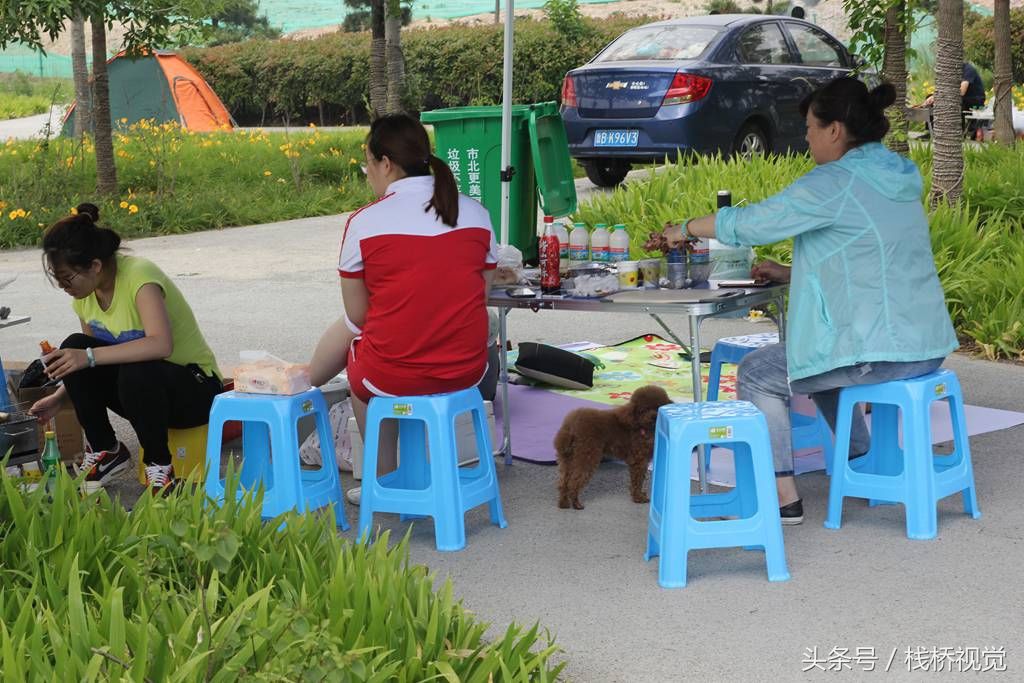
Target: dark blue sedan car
[(729, 83)]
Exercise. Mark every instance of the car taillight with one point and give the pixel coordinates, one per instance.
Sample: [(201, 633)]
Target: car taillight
[(686, 88), (568, 92)]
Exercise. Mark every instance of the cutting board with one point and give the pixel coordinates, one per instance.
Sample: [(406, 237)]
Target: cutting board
[(668, 296)]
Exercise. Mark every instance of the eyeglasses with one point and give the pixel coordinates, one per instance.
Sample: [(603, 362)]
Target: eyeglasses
[(63, 283)]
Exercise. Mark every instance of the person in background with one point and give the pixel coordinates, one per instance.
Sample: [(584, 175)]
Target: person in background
[(972, 96), (866, 305), (416, 266), (140, 352), (972, 90)]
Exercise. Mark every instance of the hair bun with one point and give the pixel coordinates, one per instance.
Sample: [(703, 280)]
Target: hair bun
[(90, 211), (882, 96)]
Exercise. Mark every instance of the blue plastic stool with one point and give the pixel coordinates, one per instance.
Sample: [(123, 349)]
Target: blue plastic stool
[(270, 452), (673, 529), (911, 475), (435, 487), (809, 431)]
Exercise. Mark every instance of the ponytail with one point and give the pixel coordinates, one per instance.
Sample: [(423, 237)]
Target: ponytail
[(445, 201), (404, 141)]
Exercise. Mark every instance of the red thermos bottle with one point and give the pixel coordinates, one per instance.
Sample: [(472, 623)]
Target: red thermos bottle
[(550, 280)]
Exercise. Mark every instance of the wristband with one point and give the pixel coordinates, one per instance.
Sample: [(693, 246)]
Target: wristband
[(686, 230), (90, 357)]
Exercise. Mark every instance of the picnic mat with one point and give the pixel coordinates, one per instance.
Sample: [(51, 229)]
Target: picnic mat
[(536, 413), (628, 366)]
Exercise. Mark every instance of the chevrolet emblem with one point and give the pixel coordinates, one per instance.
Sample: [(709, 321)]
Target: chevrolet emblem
[(617, 85)]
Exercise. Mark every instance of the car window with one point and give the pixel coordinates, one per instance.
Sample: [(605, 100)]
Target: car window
[(814, 48), (764, 44), (659, 42)]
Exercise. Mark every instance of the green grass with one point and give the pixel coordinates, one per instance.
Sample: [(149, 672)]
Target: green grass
[(182, 182), (24, 95), (181, 590)]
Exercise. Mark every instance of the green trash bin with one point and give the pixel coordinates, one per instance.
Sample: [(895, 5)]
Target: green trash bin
[(469, 140)]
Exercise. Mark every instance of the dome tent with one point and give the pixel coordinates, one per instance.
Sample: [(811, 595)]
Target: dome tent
[(162, 86)]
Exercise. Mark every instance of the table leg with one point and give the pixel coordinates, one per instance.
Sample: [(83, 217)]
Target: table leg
[(780, 305), (669, 332), (506, 439), (698, 394)]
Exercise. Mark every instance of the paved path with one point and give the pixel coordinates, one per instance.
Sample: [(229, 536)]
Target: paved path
[(582, 574), (32, 126)]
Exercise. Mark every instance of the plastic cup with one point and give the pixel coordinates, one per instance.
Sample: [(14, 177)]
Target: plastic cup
[(676, 275), (629, 274), (651, 270)]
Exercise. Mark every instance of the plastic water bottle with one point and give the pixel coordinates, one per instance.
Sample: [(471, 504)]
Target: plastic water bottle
[(599, 240), (618, 244), (563, 244), (579, 250), (550, 281)]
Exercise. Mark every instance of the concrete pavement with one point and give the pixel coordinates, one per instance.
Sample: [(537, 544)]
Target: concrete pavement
[(33, 126), (582, 574)]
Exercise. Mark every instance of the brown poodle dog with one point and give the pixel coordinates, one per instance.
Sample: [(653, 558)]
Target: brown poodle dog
[(626, 432)]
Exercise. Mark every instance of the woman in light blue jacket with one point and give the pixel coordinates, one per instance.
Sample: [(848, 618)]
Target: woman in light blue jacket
[(865, 303)]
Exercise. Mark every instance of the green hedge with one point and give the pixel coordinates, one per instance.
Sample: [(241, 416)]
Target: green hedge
[(264, 80), (180, 590)]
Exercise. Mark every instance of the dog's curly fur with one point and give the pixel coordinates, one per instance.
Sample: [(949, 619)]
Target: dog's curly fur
[(625, 432)]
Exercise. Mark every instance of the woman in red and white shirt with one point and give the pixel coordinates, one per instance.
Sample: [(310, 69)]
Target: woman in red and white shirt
[(415, 268)]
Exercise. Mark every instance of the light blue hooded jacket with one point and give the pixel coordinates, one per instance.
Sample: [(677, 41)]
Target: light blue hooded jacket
[(864, 286)]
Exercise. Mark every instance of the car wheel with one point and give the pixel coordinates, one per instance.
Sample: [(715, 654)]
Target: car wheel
[(606, 172), (751, 141)]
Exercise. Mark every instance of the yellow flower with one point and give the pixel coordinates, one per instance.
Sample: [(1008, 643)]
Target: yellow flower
[(267, 173), (12, 215), (74, 210), (20, 213), (353, 162), (41, 225), (133, 209), (3, 205), (124, 120), (123, 204)]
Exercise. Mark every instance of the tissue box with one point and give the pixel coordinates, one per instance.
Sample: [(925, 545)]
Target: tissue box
[(269, 377), (465, 439)]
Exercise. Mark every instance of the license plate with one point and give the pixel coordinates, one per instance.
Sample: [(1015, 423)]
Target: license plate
[(616, 138)]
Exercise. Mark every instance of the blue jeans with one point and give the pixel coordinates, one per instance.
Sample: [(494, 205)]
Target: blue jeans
[(763, 379)]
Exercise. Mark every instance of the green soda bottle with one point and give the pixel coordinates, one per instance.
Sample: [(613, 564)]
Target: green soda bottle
[(51, 456)]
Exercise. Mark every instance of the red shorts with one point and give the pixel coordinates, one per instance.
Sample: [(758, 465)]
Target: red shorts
[(369, 377)]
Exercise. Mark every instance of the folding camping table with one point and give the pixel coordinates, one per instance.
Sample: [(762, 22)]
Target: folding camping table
[(693, 304)]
